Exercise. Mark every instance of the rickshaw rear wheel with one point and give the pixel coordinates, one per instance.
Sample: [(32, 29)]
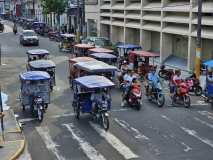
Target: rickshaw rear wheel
[(106, 122), (76, 111), (23, 107)]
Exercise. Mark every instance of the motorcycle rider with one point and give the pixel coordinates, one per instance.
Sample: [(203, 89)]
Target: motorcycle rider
[(135, 84), (210, 78), (153, 79), (146, 78), (127, 81), (97, 96), (177, 79), (32, 89), (14, 27), (123, 69)]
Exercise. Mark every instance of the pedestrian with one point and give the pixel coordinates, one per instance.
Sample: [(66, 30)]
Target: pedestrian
[(1, 116), (62, 28), (65, 28), (72, 30), (55, 27)]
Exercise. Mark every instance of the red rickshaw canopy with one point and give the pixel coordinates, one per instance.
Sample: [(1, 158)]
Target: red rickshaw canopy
[(100, 50)]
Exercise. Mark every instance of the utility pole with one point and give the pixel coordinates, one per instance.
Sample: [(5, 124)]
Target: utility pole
[(198, 48), (33, 8), (78, 20), (84, 26)]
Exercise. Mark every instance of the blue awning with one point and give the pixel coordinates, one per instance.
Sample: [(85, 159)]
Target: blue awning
[(130, 46), (94, 82), (103, 55), (208, 63), (42, 64), (37, 52), (95, 67), (34, 76)]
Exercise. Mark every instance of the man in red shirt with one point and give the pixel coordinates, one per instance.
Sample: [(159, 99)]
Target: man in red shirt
[(177, 79)]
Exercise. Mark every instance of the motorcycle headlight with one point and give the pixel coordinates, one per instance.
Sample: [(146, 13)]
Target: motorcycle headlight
[(105, 105), (39, 99), (25, 39)]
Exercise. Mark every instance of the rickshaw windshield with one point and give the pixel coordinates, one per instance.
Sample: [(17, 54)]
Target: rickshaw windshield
[(29, 34)]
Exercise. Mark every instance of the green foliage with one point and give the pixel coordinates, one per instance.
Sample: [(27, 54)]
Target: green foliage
[(56, 6)]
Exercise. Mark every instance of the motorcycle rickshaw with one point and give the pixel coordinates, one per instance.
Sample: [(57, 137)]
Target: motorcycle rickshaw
[(125, 49), (82, 100), (42, 98), (104, 57), (67, 42), (73, 71), (134, 57), (99, 50), (208, 91), (47, 66), (96, 68), (81, 49), (37, 25), (37, 54)]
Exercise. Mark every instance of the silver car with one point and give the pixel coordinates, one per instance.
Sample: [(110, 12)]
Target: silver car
[(28, 37)]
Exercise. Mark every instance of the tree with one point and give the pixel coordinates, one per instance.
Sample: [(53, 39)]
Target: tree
[(56, 6)]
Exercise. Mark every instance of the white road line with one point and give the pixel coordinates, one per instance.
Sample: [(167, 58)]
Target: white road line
[(91, 152), (26, 120), (140, 136), (196, 104), (203, 122), (125, 109), (63, 115), (205, 113), (191, 132), (116, 143), (45, 135), (186, 146)]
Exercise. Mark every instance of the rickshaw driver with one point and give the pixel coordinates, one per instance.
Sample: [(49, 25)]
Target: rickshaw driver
[(210, 78), (97, 96), (32, 89), (127, 81), (153, 79)]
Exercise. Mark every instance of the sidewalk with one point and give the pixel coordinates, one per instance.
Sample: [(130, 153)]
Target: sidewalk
[(12, 138)]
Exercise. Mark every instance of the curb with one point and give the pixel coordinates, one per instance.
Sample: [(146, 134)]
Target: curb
[(19, 151), (17, 125), (1, 138)]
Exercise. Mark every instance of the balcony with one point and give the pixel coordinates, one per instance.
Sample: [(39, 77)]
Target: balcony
[(153, 5), (153, 16), (176, 17), (133, 14), (178, 6), (175, 28), (134, 6), (118, 22), (106, 5), (119, 6), (151, 26), (133, 23)]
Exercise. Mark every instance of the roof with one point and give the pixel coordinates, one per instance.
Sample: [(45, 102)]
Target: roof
[(68, 35), (100, 50), (82, 59), (87, 46), (130, 46), (144, 54), (42, 64), (95, 67), (103, 55), (94, 82), (28, 30), (34, 75), (208, 63), (37, 51)]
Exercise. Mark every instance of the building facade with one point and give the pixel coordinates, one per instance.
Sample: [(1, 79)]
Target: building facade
[(167, 27)]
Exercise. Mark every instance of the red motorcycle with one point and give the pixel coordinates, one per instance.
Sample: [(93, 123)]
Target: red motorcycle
[(182, 95), (165, 73), (135, 99), (193, 85)]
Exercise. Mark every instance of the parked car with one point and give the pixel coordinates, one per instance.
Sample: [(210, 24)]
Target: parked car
[(28, 37), (101, 42)]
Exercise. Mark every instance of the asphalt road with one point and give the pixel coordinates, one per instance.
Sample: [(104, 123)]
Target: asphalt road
[(152, 133)]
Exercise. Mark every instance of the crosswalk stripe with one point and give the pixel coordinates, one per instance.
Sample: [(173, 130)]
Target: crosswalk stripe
[(203, 122), (115, 142), (191, 132), (91, 152), (50, 144), (140, 136)]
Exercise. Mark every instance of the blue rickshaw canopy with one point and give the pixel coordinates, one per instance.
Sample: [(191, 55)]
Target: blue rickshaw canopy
[(103, 55), (34, 76), (42, 64), (37, 52), (208, 63), (130, 46), (94, 82)]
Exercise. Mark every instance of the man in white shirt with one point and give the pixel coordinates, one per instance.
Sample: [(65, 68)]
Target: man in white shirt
[(127, 81), (210, 78), (31, 90)]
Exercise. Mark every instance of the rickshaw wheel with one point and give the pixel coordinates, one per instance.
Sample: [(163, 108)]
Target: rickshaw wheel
[(23, 107), (40, 114), (71, 83), (106, 123), (46, 106), (212, 105), (76, 111)]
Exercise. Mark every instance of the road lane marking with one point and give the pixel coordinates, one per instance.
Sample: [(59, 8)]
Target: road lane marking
[(50, 144), (140, 136), (206, 113), (187, 147), (115, 142), (191, 132), (63, 115), (91, 152), (203, 122), (26, 120)]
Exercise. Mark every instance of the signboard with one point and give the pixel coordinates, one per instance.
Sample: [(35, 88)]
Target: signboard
[(91, 2)]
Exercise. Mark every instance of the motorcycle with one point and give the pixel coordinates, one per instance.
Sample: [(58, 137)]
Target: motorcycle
[(193, 85), (182, 95), (38, 107), (135, 99), (121, 80), (14, 30), (165, 73), (157, 94)]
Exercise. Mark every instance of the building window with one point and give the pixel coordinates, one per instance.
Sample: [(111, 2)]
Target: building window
[(93, 27)]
